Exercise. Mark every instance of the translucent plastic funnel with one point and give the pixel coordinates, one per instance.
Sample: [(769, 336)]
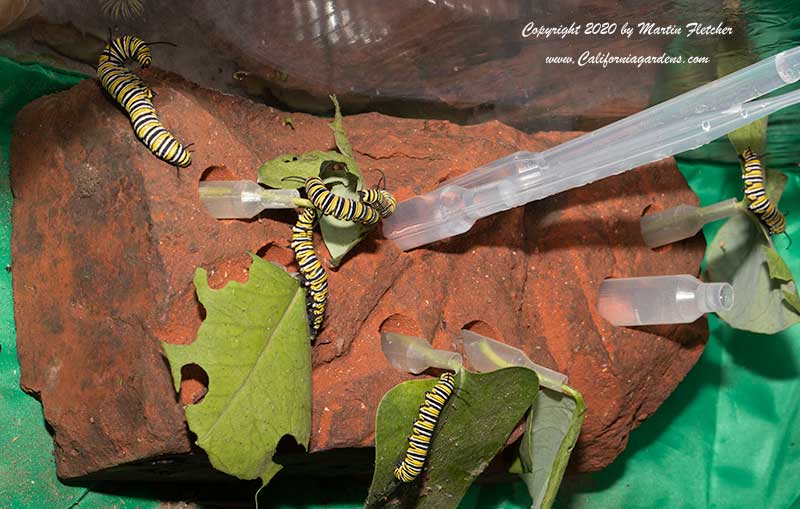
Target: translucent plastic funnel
[(661, 299), (486, 354), (243, 199), (415, 355), (682, 222)]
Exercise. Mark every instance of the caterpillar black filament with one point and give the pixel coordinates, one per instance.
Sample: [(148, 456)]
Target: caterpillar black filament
[(314, 277), (758, 202), (136, 98), (424, 426)]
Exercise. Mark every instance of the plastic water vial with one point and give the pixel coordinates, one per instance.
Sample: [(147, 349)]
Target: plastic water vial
[(682, 222), (415, 355), (243, 199), (659, 300)]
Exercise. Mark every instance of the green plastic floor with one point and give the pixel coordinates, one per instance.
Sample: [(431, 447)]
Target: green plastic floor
[(728, 436)]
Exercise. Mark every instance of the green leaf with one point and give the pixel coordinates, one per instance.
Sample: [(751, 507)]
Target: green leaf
[(341, 236), (273, 172), (550, 435), (254, 347), (288, 121), (473, 428), (338, 130), (776, 183), (396, 414), (777, 267), (752, 136), (737, 256), (792, 300)]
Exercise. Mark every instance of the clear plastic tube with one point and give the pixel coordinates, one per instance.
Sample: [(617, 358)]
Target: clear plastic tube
[(685, 122), (415, 355), (661, 299), (487, 354), (243, 199), (682, 222)]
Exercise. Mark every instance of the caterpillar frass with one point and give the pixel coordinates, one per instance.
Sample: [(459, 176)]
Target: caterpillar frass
[(136, 98), (314, 277), (339, 207), (424, 426), (758, 202)]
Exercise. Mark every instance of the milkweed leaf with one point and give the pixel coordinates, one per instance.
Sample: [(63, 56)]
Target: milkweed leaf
[(776, 266), (337, 126), (776, 183), (737, 256), (341, 236), (550, 435), (473, 427), (290, 171), (254, 347), (792, 300)]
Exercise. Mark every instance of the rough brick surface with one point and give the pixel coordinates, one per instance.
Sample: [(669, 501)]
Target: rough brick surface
[(107, 238)]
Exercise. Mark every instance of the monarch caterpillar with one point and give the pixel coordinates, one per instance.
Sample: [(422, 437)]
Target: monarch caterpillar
[(380, 199), (424, 426), (339, 207), (758, 202), (136, 98), (314, 277)]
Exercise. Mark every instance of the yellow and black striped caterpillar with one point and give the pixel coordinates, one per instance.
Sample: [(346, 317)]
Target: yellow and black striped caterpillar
[(314, 277), (136, 98), (758, 202), (380, 199), (339, 207), (424, 426)]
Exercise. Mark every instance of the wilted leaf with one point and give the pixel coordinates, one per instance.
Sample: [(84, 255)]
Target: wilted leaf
[(473, 428), (737, 256), (274, 172), (777, 267), (553, 427), (254, 347)]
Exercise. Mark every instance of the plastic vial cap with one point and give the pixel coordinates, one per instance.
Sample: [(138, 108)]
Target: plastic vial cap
[(714, 297), (656, 300), (415, 355)]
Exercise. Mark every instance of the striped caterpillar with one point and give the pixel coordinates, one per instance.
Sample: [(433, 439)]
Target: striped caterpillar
[(136, 98)]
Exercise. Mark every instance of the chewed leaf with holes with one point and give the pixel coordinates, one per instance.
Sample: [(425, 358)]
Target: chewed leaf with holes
[(479, 418), (550, 435), (254, 347), (290, 171)]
